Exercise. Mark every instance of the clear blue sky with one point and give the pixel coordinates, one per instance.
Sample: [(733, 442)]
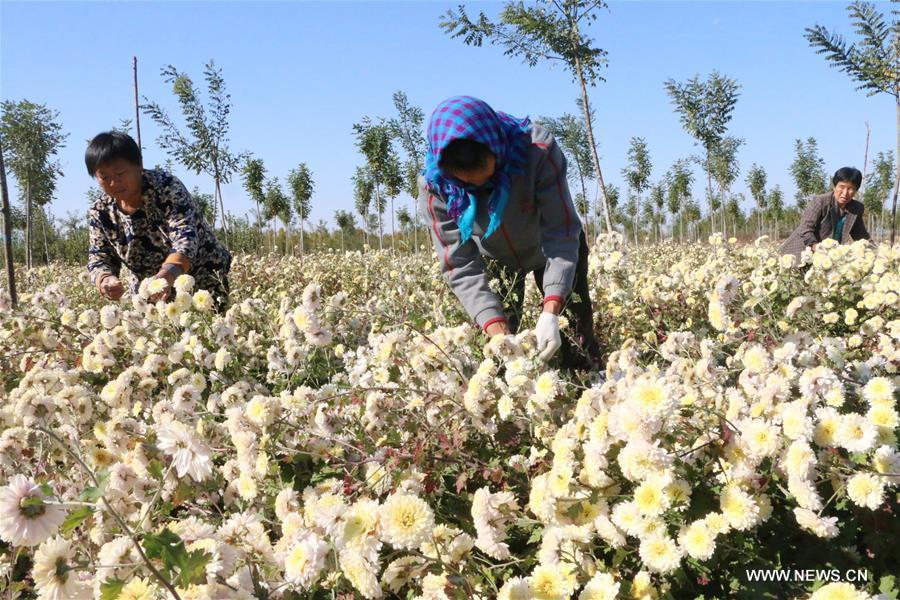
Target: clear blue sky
[(302, 73)]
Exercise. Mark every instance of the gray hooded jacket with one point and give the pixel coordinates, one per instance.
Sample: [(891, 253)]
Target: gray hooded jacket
[(540, 229)]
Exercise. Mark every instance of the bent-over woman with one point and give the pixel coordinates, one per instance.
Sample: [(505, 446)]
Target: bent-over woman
[(147, 221)]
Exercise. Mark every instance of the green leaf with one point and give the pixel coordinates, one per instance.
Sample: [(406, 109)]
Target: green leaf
[(193, 570), (92, 494), (166, 546), (111, 588), (536, 535), (76, 518), (155, 468), (887, 585)]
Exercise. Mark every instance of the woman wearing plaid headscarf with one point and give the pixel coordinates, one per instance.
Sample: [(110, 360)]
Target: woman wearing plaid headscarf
[(495, 197)]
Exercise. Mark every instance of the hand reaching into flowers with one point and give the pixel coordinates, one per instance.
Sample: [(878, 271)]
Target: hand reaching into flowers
[(110, 287), (547, 332), (167, 273)]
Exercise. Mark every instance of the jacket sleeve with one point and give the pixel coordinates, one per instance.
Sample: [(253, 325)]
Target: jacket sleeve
[(461, 263), (809, 221), (560, 225), (102, 257), (182, 223)]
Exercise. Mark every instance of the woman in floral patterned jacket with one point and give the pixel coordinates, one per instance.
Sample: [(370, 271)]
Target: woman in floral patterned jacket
[(147, 221)]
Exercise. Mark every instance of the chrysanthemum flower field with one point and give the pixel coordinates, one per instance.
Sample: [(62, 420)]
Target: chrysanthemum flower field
[(342, 432)]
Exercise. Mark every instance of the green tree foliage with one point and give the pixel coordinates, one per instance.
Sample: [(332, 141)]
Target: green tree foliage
[(879, 183), (680, 178), (873, 63), (382, 165), (408, 129), (705, 108), (32, 135), (301, 184), (277, 205), (775, 202), (363, 191), (808, 171), (253, 176), (756, 182), (203, 146), (549, 31), (723, 164), (637, 175), (206, 202)]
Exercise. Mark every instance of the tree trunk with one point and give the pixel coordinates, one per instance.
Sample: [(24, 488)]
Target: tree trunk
[(709, 195), (222, 207), (7, 232), (865, 160), (302, 241), (586, 106), (393, 231), (44, 235), (28, 225), (343, 250)]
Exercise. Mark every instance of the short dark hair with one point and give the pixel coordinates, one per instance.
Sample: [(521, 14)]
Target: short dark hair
[(848, 174), (464, 155), (108, 146)]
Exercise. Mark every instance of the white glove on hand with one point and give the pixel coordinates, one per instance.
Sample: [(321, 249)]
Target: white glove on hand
[(548, 338)]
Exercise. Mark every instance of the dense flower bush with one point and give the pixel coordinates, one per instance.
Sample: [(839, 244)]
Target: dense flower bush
[(342, 432)]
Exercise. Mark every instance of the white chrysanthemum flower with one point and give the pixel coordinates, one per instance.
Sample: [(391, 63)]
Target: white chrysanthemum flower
[(651, 497), (839, 591), (739, 508), (879, 389), (223, 357), (184, 283), (856, 433), (552, 582), (359, 527), (286, 502), (866, 490), (650, 398), (203, 300), (305, 560), (53, 574), (824, 527), (406, 521), (756, 359), (27, 519), (759, 439), (516, 588), (660, 553), (602, 586), (138, 588), (698, 540), (189, 455), (362, 574), (490, 521)]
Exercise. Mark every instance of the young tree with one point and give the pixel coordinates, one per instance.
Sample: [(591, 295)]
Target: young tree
[(204, 147), (878, 186), (680, 178), (724, 166), (551, 32), (756, 181), (873, 64), (808, 171), (253, 175), (637, 175), (656, 201), (31, 137), (277, 205), (383, 166), (345, 223), (407, 128), (612, 202), (363, 190), (705, 109), (302, 186), (776, 207)]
